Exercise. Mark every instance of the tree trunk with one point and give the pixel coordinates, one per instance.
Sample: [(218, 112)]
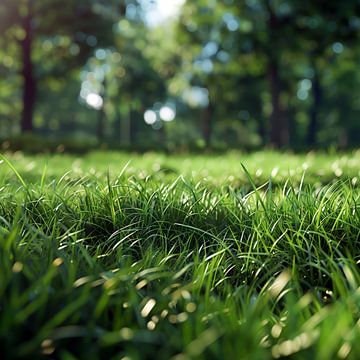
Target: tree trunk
[(132, 127), (314, 111), (278, 128), (100, 129), (207, 124), (27, 72), (100, 125), (261, 131), (279, 132), (125, 129)]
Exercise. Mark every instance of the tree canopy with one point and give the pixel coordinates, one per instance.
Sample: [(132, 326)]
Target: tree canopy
[(219, 74)]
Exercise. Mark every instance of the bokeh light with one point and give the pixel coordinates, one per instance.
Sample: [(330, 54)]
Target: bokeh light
[(150, 117), (95, 101), (167, 113)]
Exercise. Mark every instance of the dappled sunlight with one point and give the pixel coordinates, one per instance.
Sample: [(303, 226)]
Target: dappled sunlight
[(95, 101), (217, 75)]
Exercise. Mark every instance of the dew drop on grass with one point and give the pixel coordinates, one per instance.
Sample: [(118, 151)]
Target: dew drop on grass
[(173, 319), (17, 267), (155, 319), (47, 347), (141, 284), (191, 307), (57, 262), (344, 351), (126, 333), (164, 313), (182, 317), (148, 307), (275, 171), (338, 172), (276, 331)]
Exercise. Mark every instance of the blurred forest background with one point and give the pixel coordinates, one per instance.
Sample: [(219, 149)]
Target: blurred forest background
[(180, 75)]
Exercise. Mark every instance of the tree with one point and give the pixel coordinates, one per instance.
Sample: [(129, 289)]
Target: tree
[(324, 26), (83, 23)]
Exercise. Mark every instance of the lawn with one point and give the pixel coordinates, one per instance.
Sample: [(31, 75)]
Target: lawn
[(125, 256)]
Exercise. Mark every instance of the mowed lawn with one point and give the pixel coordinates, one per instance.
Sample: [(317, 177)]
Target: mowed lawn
[(234, 256)]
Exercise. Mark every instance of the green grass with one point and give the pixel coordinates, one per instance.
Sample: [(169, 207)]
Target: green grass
[(179, 257), (320, 168)]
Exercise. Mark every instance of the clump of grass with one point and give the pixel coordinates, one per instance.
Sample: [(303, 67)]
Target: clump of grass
[(135, 267)]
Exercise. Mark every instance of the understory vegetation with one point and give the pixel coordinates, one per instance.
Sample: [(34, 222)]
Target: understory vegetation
[(234, 257)]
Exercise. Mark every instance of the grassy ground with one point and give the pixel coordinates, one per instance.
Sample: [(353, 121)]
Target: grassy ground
[(180, 257)]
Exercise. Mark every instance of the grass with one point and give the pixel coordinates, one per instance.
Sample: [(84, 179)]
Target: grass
[(177, 258)]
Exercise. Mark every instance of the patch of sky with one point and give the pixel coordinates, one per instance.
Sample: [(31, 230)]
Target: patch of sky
[(232, 23), (100, 54), (304, 87), (131, 12), (223, 56), (196, 96), (210, 49), (338, 47)]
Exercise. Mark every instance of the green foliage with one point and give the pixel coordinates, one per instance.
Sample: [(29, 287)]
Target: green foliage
[(240, 74), (167, 266)]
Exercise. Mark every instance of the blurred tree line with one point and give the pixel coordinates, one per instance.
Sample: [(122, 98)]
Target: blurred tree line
[(221, 73)]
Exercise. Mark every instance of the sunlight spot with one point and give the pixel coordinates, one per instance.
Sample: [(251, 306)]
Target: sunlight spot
[(95, 101), (210, 49), (161, 10), (74, 49), (302, 94), (150, 117), (231, 22), (57, 262), (275, 171), (167, 113), (47, 347), (279, 284), (100, 54), (306, 84), (17, 267), (116, 57), (276, 331), (191, 307), (232, 25), (148, 307), (338, 48), (126, 333), (196, 96), (344, 350), (338, 172)]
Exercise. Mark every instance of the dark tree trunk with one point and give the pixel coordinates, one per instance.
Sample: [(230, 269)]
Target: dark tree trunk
[(100, 129), (277, 128), (27, 72), (207, 124), (262, 131), (132, 128), (279, 132), (117, 125), (100, 125), (314, 111)]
